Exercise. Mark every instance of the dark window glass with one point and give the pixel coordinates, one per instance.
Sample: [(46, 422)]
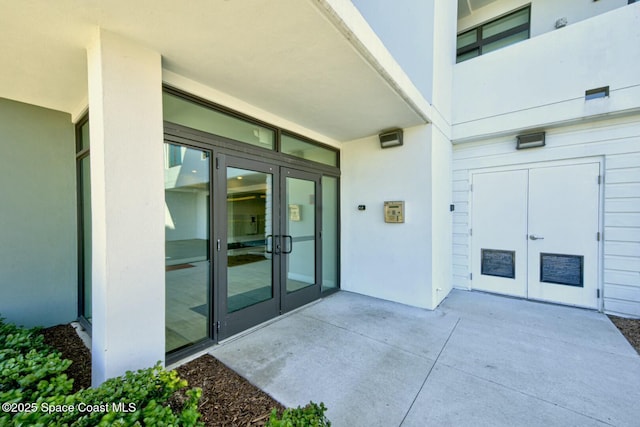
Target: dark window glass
[(307, 150), (83, 174), (493, 35), (187, 113)]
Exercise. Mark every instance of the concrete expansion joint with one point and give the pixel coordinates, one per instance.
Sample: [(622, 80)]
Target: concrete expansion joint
[(529, 395), (430, 370)]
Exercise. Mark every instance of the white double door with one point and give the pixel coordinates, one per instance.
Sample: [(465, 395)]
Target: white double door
[(535, 232)]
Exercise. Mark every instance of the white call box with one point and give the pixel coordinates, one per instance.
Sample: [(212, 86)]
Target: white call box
[(394, 212)]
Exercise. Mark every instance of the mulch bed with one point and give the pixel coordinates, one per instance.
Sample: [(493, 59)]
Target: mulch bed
[(65, 339), (227, 398), (630, 328)]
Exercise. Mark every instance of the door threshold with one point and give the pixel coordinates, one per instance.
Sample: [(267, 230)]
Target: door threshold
[(266, 323), (539, 301)]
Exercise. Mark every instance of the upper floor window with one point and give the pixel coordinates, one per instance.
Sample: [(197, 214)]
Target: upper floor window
[(493, 35)]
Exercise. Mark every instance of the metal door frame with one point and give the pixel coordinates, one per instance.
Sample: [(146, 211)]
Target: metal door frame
[(228, 324), (310, 293), (544, 164)]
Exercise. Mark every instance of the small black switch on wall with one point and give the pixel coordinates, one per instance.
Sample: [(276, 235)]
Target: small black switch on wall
[(452, 208), (361, 207)]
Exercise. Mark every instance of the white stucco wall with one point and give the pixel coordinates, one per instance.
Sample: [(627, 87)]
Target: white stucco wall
[(405, 28), (128, 212), (543, 80), (389, 261), (38, 248), (441, 216)]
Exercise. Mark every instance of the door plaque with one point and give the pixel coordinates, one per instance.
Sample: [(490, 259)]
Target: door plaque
[(498, 263), (562, 269)]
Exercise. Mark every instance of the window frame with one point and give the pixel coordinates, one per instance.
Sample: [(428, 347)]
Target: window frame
[(480, 42), (81, 154)]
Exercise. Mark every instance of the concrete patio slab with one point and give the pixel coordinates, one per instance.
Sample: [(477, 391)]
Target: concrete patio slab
[(453, 398), (478, 359), (299, 359)]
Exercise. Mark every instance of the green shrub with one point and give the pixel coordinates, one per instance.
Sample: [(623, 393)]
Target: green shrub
[(32, 376), (312, 415)]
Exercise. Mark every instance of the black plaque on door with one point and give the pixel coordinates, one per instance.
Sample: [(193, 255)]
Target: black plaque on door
[(498, 263), (562, 269)]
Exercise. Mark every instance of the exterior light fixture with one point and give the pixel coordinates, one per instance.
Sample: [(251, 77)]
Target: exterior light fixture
[(391, 138), (600, 92), (530, 140)]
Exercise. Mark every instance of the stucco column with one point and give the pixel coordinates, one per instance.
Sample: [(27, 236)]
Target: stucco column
[(127, 203)]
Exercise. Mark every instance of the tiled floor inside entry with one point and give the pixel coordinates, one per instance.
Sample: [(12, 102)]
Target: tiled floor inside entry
[(186, 288), (187, 295), (478, 360)]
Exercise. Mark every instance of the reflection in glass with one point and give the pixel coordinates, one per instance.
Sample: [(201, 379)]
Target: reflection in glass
[(306, 150), (83, 170), (329, 232), (466, 39), (85, 191), (196, 116), (505, 24), (299, 241), (249, 219), (498, 44), (187, 264)]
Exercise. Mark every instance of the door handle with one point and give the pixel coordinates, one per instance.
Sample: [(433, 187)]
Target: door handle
[(534, 237), (285, 251), (269, 248)]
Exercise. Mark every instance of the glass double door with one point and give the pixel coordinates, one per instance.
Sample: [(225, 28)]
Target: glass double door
[(242, 242), (267, 241)]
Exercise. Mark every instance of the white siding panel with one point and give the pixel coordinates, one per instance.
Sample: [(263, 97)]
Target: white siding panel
[(628, 278), (622, 292), (460, 176), (461, 240), (460, 186), (622, 308), (460, 219), (460, 260), (622, 190), (631, 204), (460, 229), (629, 249), (617, 176), (622, 263), (623, 161), (618, 141), (508, 155), (462, 207), (622, 234), (460, 250), (627, 219), (460, 196)]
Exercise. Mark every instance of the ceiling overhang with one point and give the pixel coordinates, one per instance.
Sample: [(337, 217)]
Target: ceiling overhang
[(303, 61)]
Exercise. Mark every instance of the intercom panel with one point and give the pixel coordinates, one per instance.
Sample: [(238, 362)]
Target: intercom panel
[(394, 212)]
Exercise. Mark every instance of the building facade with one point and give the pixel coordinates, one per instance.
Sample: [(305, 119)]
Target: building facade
[(176, 174)]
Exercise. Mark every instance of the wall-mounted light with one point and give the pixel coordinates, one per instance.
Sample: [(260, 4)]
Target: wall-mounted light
[(530, 140), (391, 138), (599, 92)]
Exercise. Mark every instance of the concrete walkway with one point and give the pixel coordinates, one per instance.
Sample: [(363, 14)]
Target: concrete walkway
[(478, 360)]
